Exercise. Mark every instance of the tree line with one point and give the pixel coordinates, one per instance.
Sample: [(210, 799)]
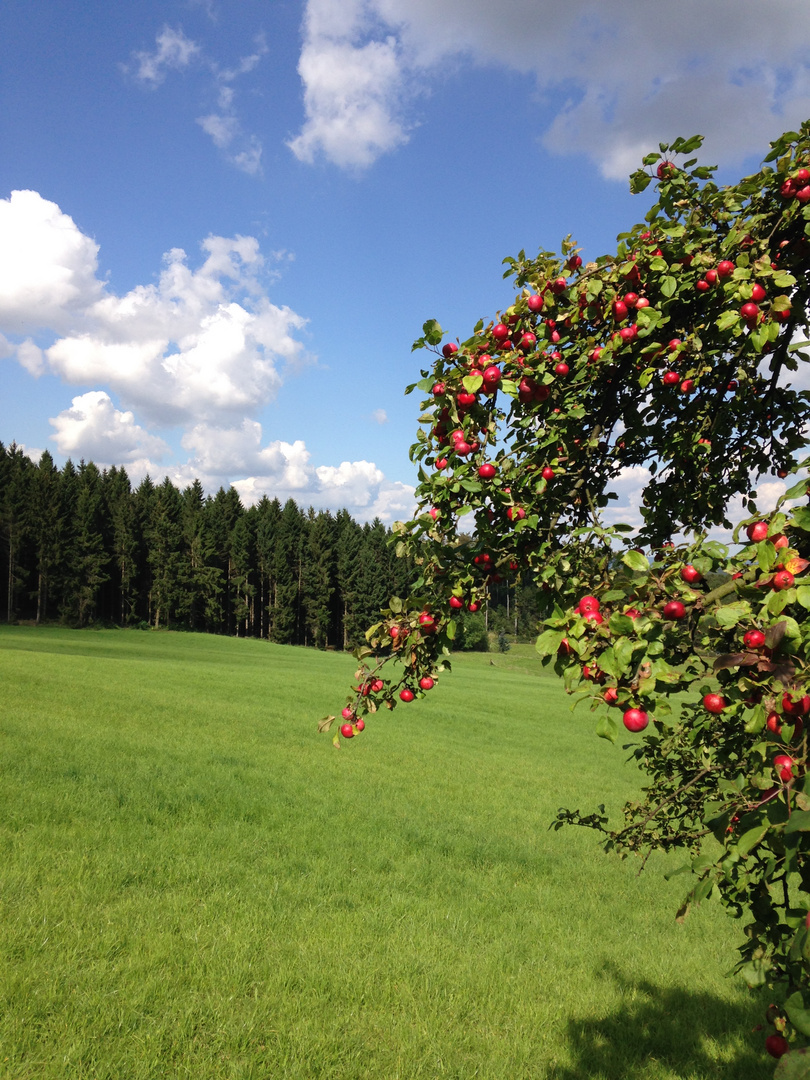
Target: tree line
[(82, 546)]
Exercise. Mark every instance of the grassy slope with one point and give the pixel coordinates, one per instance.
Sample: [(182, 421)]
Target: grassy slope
[(196, 884)]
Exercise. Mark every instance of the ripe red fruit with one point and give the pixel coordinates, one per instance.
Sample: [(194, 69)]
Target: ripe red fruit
[(758, 294), (377, 685), (449, 349), (462, 448), (754, 639), (347, 713), (434, 513), (360, 724), (593, 616), (487, 470), (528, 341), (347, 731), (516, 513), (427, 622), (562, 368), (535, 302), (670, 378), (426, 682), (800, 707), (588, 603), (725, 268), (674, 344), (757, 531), (711, 277), (559, 286), (642, 302), (500, 331), (777, 1045), (406, 695), (611, 695), (690, 574), (687, 386), (665, 170), (574, 262), (782, 579), (631, 299), (465, 399), (783, 766), (628, 333), (473, 606), (547, 472), (619, 310), (635, 719), (702, 285), (674, 610), (491, 376), (438, 389), (774, 723), (714, 703), (749, 311), (803, 194), (441, 464), (456, 602)]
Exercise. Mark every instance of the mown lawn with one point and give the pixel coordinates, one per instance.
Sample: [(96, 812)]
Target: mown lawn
[(194, 883)]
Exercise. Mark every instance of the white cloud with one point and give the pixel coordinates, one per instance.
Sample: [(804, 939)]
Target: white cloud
[(379, 416), (47, 266), (94, 429), (196, 345), (630, 74), (173, 53)]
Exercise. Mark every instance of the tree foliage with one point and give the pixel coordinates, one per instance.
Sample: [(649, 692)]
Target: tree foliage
[(669, 360)]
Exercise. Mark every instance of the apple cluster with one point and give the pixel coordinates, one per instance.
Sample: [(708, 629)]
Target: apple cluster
[(669, 359)]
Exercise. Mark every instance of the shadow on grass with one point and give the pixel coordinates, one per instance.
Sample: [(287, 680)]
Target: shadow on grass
[(688, 1034)]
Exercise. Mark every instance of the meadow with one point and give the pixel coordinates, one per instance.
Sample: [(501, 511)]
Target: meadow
[(195, 884)]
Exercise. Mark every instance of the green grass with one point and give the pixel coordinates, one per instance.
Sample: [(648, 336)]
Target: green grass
[(195, 884)]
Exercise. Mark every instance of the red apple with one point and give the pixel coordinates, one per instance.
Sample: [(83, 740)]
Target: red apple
[(635, 719), (562, 368), (749, 311), (377, 685), (800, 707), (674, 610), (347, 731), (758, 294), (754, 639), (406, 695), (687, 386), (593, 617), (535, 302), (690, 574), (360, 724), (670, 378), (714, 703), (527, 342), (547, 472), (427, 622), (487, 470), (783, 766), (702, 285), (449, 349), (516, 513), (777, 1045), (559, 285), (588, 603), (757, 531), (347, 713), (426, 683), (441, 463), (665, 170), (783, 579), (611, 695), (500, 331), (456, 603), (619, 310), (774, 723), (473, 606), (725, 268)]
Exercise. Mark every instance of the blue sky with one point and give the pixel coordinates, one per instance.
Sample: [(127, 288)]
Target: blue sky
[(223, 223)]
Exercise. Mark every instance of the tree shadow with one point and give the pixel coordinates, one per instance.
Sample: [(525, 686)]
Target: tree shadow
[(691, 1034)]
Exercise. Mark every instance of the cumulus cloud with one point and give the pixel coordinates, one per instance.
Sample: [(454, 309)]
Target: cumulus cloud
[(93, 428), (379, 416), (611, 79), (200, 343), (48, 266)]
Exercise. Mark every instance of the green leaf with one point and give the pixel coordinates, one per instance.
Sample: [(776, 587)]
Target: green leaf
[(432, 331), (621, 624), (395, 604), (800, 517), (606, 729), (795, 1065), (549, 642), (750, 839), (727, 320), (803, 596), (669, 285), (755, 972), (636, 561), (799, 822), (731, 614), (798, 1015), (472, 383), (450, 629)]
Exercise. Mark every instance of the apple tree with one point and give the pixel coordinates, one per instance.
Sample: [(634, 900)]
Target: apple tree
[(671, 361)]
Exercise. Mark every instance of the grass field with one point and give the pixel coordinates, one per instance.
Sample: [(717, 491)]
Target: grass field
[(196, 884)]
